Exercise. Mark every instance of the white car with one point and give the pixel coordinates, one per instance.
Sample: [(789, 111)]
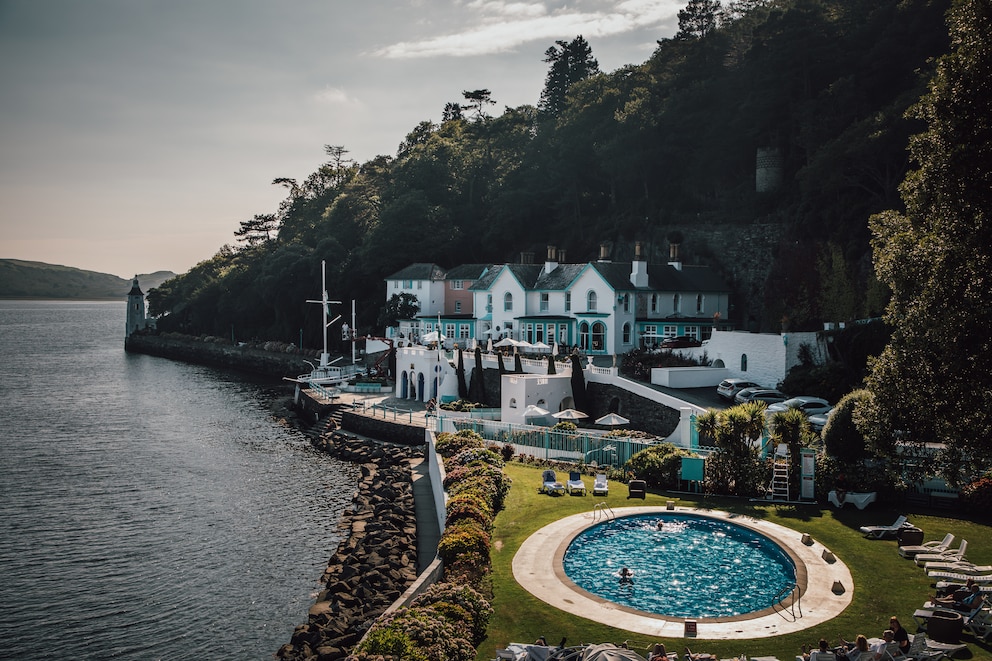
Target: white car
[(819, 420), (808, 405), (730, 387)]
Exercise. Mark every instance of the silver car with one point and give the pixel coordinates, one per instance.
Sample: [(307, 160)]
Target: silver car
[(808, 405), (728, 388), (766, 395)]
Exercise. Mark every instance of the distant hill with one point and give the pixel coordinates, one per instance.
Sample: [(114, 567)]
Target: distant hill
[(21, 279)]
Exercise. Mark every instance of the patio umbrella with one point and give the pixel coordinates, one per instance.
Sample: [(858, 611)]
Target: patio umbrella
[(506, 342), (540, 346), (612, 420), (434, 336), (524, 344), (534, 411), (489, 345), (569, 414)]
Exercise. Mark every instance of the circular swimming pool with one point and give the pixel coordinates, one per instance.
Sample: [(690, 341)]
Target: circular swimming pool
[(683, 565)]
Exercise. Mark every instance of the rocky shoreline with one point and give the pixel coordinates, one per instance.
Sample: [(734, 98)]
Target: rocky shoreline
[(377, 560)]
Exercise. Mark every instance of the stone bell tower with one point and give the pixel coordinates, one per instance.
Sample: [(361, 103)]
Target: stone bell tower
[(135, 309)]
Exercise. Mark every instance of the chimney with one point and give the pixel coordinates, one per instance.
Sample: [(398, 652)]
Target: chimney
[(604, 252), (526, 258), (551, 263), (673, 256), (639, 267), (561, 257)]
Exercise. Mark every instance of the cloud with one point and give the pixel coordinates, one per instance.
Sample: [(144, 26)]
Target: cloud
[(497, 27), (335, 96)]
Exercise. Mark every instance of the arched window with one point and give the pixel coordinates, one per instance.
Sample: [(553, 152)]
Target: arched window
[(513, 402), (676, 303), (507, 302), (743, 362), (599, 336), (584, 336), (591, 301), (626, 333)]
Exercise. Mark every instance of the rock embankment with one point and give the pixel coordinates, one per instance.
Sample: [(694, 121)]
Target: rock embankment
[(376, 562)]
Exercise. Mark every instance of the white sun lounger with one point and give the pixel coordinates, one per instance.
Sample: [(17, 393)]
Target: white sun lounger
[(927, 547), (950, 555), (959, 577), (959, 567), (600, 487), (881, 532), (575, 483)]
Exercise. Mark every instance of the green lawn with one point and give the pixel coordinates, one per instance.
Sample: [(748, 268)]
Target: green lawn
[(885, 583)]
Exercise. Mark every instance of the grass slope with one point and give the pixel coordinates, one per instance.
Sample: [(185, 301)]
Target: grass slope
[(885, 583)]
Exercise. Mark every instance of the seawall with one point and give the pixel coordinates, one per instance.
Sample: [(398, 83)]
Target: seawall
[(218, 353)]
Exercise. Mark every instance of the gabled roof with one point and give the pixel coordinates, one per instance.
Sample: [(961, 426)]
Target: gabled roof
[(466, 272), (560, 278), (419, 271), (525, 274)]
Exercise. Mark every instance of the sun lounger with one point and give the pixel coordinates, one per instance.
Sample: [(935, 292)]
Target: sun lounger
[(927, 547), (600, 487), (575, 483), (858, 499), (881, 532), (959, 577), (921, 648), (550, 484), (950, 555), (959, 567), (977, 620)]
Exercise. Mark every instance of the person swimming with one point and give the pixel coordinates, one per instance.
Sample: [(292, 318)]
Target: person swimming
[(626, 576)]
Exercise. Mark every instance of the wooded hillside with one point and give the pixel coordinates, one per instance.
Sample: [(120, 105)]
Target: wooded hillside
[(23, 279), (819, 87)]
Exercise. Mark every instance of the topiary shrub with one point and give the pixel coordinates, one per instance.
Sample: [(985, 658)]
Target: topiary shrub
[(659, 465), (468, 506), (473, 608), (466, 536), (448, 444)]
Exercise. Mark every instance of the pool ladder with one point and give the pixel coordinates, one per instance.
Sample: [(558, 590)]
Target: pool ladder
[(791, 590), (602, 511)]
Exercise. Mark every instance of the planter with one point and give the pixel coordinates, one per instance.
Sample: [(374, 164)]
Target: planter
[(945, 627)]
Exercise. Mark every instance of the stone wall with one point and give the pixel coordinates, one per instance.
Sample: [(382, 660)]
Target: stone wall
[(651, 417), (218, 354), (396, 432)]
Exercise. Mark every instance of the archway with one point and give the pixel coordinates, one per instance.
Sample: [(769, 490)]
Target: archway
[(404, 385), (420, 387)]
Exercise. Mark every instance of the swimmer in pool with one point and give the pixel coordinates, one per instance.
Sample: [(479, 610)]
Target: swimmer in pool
[(626, 576)]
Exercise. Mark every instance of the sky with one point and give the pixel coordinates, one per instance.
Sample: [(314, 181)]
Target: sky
[(136, 135)]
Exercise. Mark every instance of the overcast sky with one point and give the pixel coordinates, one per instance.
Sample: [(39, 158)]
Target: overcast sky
[(135, 135)]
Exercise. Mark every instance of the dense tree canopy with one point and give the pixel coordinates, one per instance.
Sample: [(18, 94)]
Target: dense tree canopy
[(630, 155), (931, 383)]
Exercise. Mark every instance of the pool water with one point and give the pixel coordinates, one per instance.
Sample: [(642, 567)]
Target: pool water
[(689, 566)]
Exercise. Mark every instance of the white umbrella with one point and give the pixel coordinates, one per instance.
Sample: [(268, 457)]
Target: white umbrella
[(569, 414), (434, 336), (534, 411), (523, 344), (540, 346), (612, 420), (506, 342), (489, 345), (554, 349)]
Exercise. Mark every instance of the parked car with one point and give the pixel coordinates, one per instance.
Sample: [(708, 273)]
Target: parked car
[(766, 395), (729, 388), (680, 342), (819, 420), (808, 405)]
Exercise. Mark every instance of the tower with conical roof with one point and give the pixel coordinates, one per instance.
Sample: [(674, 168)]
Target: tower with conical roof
[(135, 309)]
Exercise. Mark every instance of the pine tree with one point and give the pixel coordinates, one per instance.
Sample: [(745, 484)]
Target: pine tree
[(570, 62)]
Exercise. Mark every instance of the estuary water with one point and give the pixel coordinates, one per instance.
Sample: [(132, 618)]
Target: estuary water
[(149, 509)]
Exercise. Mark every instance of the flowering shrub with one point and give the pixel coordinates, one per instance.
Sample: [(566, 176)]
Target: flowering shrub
[(460, 405), (467, 506), (491, 485), (565, 426), (389, 643), (472, 455), (434, 636), (474, 610), (468, 569), (448, 444), (466, 536), (979, 494), (507, 450)]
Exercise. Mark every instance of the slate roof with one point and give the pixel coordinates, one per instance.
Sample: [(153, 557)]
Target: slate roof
[(560, 278), (663, 277), (419, 271), (466, 272)]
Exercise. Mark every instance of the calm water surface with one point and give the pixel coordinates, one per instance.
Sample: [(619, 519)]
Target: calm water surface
[(149, 509)]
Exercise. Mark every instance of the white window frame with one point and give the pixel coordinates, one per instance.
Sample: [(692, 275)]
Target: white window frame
[(508, 302)]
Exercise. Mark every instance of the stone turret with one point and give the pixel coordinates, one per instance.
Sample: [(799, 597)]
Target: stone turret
[(136, 319)]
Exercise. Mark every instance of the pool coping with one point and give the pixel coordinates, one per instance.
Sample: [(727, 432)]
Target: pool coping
[(537, 567)]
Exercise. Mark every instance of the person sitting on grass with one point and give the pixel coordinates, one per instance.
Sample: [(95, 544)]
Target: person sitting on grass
[(820, 654), (699, 656), (878, 650)]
